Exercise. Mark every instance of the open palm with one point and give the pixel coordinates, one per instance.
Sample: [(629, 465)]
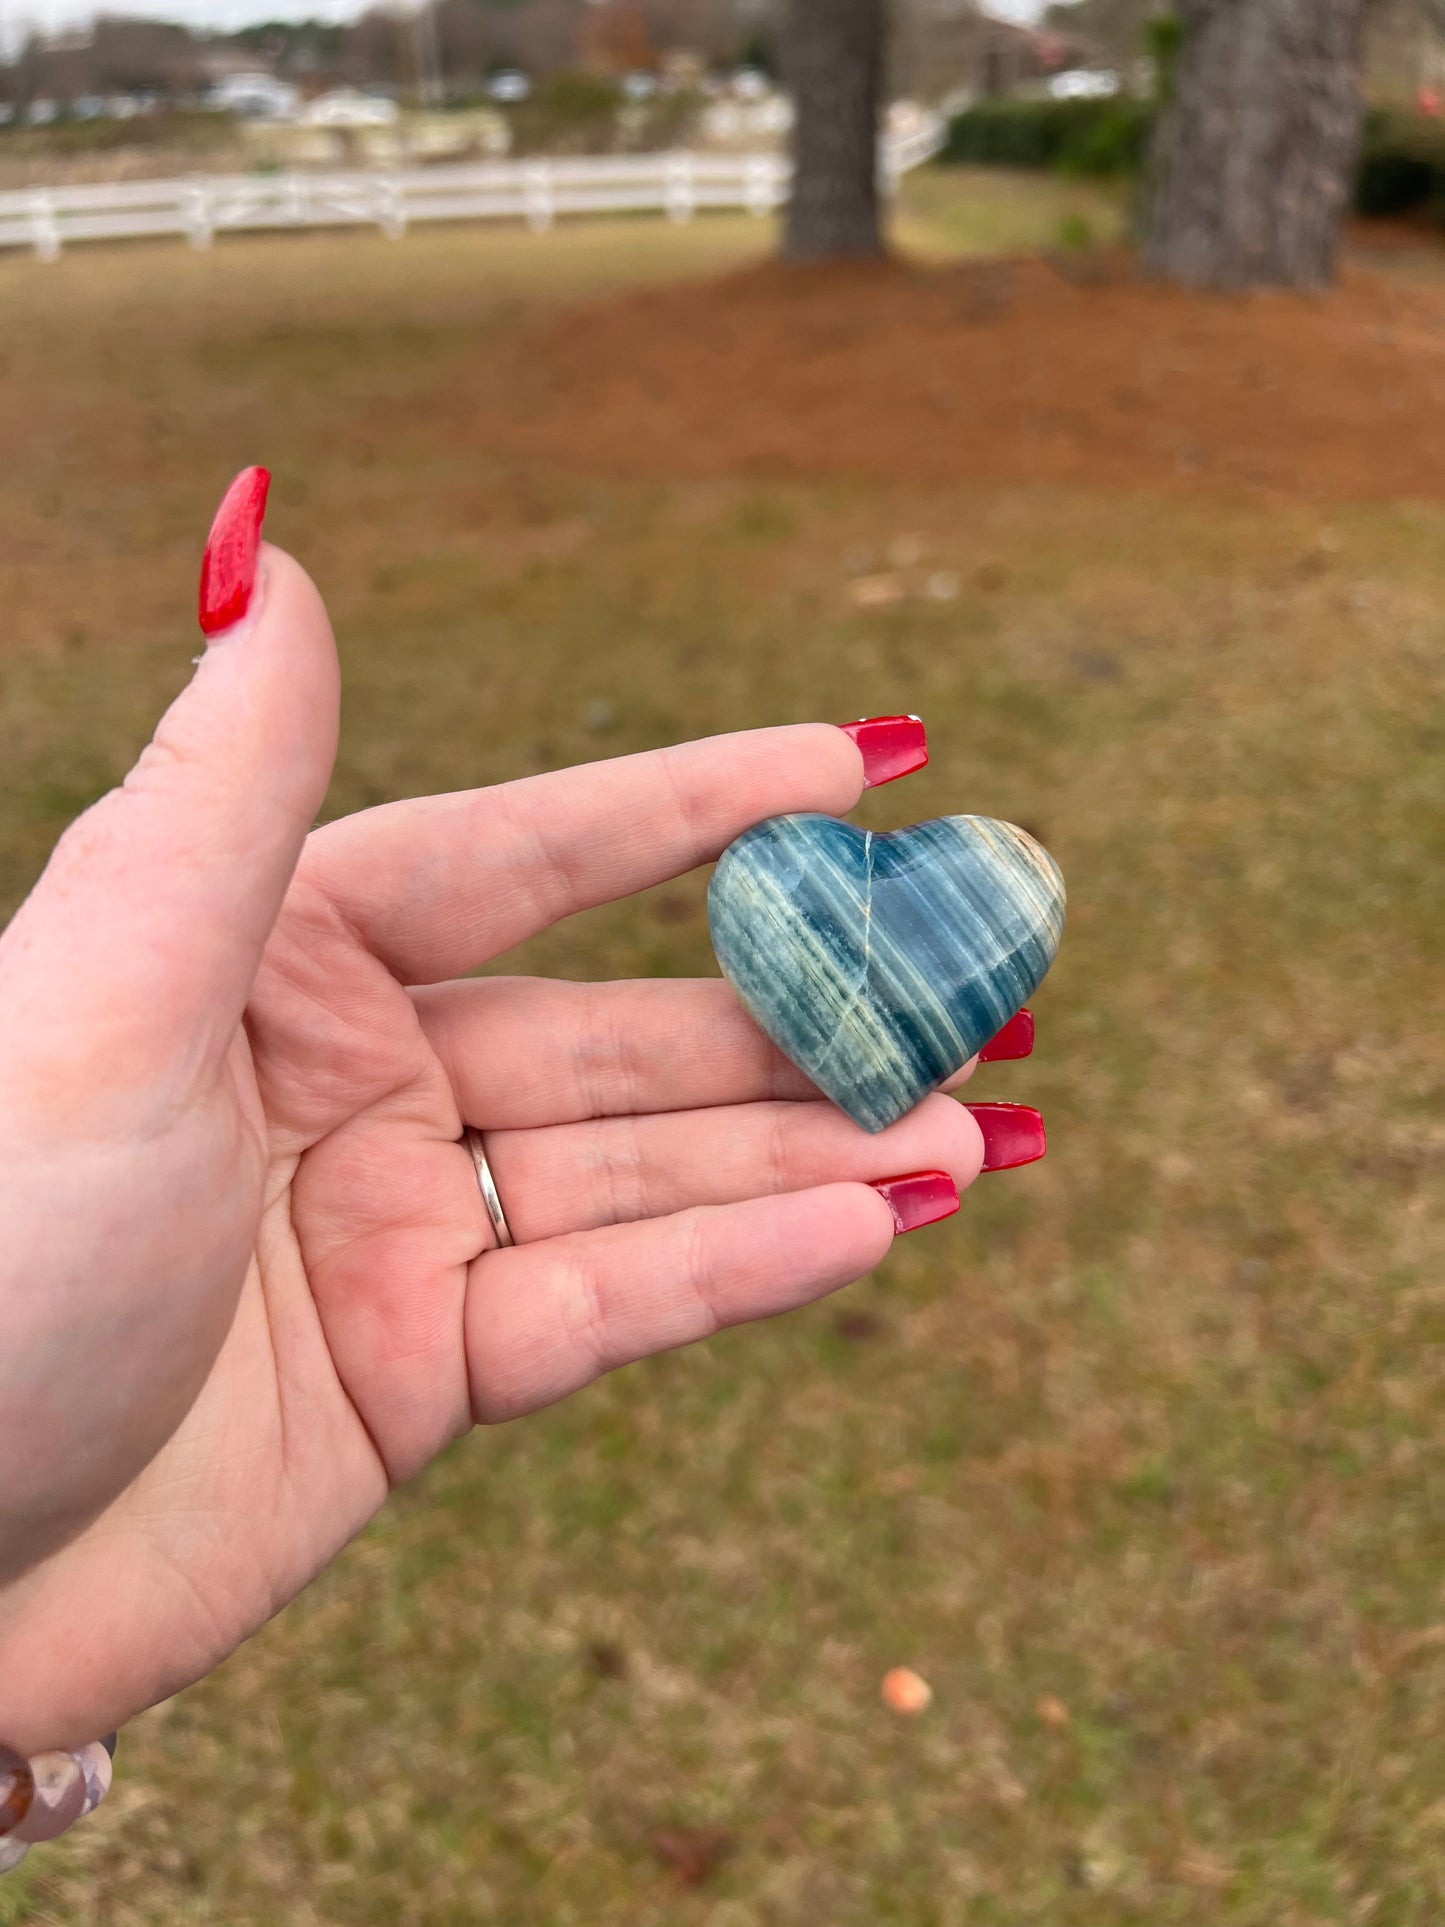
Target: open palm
[(248, 1281)]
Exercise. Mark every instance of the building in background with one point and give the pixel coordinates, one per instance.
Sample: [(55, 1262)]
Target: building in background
[(944, 49), (1405, 52)]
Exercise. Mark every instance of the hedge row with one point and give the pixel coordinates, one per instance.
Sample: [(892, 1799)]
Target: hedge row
[(1074, 136), (1402, 165), (1401, 170)]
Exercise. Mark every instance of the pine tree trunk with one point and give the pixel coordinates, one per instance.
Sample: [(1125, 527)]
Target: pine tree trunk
[(835, 70), (1255, 153)]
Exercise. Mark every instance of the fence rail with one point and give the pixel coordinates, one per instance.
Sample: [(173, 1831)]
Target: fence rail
[(537, 192)]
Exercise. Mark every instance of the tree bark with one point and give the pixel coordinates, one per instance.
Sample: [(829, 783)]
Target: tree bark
[(834, 58), (1255, 150)]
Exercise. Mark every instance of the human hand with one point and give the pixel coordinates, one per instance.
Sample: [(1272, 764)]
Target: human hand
[(248, 1282)]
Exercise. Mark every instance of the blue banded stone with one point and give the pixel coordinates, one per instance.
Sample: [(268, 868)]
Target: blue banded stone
[(880, 962)]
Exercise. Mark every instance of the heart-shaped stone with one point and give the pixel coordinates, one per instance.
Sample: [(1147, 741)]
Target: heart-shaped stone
[(879, 963)]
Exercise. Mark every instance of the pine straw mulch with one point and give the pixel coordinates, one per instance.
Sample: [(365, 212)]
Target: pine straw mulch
[(1055, 370)]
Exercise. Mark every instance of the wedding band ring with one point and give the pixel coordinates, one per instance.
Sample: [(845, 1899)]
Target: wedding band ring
[(488, 1186)]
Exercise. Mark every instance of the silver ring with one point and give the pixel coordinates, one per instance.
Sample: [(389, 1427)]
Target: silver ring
[(472, 1138)]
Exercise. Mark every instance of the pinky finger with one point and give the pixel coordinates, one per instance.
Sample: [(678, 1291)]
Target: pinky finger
[(544, 1320)]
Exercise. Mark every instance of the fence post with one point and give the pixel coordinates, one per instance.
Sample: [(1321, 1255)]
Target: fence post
[(758, 190), (197, 208), (681, 197), (537, 201), (43, 225), (393, 209), (890, 171)]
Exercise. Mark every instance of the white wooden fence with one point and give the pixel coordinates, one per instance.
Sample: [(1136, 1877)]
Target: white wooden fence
[(537, 192)]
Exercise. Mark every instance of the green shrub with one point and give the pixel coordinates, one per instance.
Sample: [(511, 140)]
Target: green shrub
[(1402, 164), (1073, 136), (574, 112), (1401, 167)]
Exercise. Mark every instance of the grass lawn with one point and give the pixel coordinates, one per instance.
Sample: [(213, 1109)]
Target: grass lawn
[(1138, 1460)]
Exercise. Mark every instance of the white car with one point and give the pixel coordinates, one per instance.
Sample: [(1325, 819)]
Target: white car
[(1083, 83), (344, 107), (254, 97), (750, 83), (509, 87)]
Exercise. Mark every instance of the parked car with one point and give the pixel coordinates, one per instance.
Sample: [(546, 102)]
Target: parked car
[(639, 86), (345, 107), (1083, 83), (255, 96), (509, 87)]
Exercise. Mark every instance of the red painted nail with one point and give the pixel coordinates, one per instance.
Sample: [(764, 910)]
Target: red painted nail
[(228, 568), (1015, 1040), (892, 746), (1013, 1134), (923, 1197)]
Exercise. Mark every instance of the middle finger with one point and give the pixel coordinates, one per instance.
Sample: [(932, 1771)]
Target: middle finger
[(522, 1052)]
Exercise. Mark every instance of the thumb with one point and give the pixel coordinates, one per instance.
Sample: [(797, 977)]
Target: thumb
[(150, 919)]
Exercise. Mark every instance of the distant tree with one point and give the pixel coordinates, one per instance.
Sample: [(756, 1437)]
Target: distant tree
[(135, 55), (616, 38), (833, 55), (1256, 145), (1114, 29), (548, 35), (469, 41)]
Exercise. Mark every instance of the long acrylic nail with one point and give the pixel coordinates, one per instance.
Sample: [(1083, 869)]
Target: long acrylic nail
[(228, 567), (892, 746), (923, 1197), (1013, 1134), (1015, 1040)]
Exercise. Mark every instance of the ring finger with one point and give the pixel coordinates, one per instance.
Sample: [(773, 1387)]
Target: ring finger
[(580, 1177)]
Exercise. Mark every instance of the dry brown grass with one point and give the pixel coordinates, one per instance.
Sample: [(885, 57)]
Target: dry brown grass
[(1137, 1461)]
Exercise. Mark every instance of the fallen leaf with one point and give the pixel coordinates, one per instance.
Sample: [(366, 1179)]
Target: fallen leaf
[(876, 592), (857, 1326), (1051, 1711), (905, 1691), (693, 1853), (1198, 1871)]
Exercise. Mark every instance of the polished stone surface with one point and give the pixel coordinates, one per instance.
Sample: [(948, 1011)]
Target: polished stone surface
[(880, 962)]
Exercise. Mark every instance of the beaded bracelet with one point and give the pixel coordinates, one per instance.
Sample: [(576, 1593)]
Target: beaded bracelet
[(41, 1798)]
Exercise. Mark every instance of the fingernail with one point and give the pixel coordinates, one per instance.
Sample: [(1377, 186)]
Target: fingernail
[(228, 567), (59, 1797), (1016, 1039), (923, 1197), (1013, 1134), (892, 746), (94, 1762)]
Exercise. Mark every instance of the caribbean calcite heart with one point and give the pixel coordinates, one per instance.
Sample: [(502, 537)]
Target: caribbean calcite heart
[(879, 963)]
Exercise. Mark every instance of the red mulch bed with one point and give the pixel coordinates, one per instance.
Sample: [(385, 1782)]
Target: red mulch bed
[(1067, 372)]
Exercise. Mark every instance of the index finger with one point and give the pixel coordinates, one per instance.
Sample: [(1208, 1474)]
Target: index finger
[(437, 886)]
